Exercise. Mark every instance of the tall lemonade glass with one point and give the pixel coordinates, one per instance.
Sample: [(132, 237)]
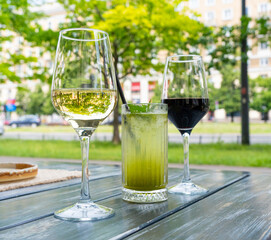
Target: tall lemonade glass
[(84, 93), (144, 152)]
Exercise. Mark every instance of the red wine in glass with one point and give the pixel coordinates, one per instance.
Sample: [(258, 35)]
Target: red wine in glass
[(185, 92), (185, 113)]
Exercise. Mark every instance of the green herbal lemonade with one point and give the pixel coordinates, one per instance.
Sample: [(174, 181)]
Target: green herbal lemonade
[(144, 149)]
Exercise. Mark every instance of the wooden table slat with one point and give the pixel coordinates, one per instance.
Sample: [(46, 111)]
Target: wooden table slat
[(41, 204), (241, 211), (31, 207), (128, 216), (179, 208)]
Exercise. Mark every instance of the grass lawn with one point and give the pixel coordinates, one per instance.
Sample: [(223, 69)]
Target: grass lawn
[(211, 154), (220, 128), (202, 127)]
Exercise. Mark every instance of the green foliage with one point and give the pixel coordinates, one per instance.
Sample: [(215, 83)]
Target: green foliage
[(47, 107), (138, 30), (229, 93), (17, 21), (130, 34), (225, 51), (225, 47), (22, 100), (261, 94), (157, 94), (226, 41), (36, 102), (263, 29), (143, 108), (213, 94)]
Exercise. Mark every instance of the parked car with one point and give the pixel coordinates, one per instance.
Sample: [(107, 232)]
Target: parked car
[(1, 128), (6, 122), (27, 120)]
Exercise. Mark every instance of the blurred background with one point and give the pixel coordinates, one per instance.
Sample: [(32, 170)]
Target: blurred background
[(142, 34)]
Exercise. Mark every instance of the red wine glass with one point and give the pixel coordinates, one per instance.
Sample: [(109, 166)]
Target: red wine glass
[(185, 92)]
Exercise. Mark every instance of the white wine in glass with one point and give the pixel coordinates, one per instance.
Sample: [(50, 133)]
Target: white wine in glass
[(84, 92)]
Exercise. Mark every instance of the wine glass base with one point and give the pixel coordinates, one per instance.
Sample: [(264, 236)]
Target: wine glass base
[(187, 188), (81, 212)]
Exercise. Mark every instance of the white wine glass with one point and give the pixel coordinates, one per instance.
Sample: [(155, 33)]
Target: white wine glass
[(185, 91), (84, 92)]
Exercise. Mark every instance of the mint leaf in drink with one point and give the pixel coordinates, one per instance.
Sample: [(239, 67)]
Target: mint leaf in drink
[(142, 108)]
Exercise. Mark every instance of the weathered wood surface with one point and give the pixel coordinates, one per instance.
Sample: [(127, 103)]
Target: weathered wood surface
[(240, 211), (96, 172), (31, 216), (55, 199)]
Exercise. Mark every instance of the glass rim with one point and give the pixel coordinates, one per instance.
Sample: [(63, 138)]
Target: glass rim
[(143, 108), (190, 58), (62, 34)]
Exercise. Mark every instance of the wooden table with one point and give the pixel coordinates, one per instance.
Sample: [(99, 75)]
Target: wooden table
[(238, 206)]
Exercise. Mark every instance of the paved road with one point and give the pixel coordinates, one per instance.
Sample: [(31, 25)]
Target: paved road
[(174, 138)]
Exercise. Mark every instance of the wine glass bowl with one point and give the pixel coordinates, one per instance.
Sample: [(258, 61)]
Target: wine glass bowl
[(83, 68), (84, 92), (185, 92)]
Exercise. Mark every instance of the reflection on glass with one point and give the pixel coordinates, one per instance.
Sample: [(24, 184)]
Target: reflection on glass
[(84, 93), (185, 92)]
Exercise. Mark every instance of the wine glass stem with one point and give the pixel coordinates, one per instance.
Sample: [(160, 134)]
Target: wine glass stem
[(186, 174), (85, 194)]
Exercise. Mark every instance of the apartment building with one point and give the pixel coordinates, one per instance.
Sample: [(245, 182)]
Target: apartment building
[(228, 13)]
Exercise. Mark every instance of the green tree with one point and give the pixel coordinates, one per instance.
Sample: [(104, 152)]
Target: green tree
[(224, 46), (22, 99), (17, 23), (225, 49), (36, 101), (47, 107), (229, 93), (263, 28), (261, 96), (138, 31), (213, 94), (157, 93)]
